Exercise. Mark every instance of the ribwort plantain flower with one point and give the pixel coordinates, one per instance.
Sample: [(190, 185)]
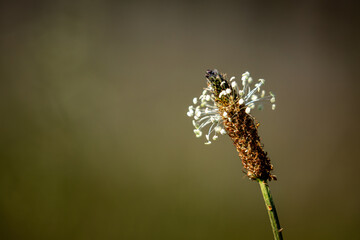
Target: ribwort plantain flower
[(224, 107)]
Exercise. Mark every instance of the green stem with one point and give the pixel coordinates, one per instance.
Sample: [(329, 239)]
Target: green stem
[(270, 206)]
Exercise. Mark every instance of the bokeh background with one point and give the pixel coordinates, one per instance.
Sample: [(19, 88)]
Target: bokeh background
[(96, 144)]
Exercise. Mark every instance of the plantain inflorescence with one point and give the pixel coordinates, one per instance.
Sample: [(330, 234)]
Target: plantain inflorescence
[(223, 108)]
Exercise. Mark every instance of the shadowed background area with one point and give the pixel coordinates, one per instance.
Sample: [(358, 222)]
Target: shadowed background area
[(96, 144)]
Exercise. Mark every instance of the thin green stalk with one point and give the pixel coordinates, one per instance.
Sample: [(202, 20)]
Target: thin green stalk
[(270, 206)]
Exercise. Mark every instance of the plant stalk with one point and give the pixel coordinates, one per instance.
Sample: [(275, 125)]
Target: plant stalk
[(270, 206)]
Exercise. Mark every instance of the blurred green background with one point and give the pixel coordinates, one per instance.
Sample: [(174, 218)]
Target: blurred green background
[(96, 144)]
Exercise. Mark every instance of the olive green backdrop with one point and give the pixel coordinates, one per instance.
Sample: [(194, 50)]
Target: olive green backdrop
[(96, 144)]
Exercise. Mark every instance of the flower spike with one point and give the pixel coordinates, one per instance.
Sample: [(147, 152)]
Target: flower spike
[(224, 108)]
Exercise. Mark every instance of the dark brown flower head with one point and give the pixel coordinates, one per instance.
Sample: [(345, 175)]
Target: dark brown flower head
[(223, 105)]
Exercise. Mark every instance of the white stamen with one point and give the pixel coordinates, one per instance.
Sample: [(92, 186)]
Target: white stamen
[(222, 132), (247, 110), (245, 76), (241, 101), (217, 129), (197, 132), (222, 93), (273, 106), (262, 93), (195, 100)]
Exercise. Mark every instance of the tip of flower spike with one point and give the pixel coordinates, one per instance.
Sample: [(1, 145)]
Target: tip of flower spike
[(211, 73), (215, 104)]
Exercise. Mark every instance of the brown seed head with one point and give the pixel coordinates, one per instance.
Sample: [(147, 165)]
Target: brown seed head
[(240, 126)]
